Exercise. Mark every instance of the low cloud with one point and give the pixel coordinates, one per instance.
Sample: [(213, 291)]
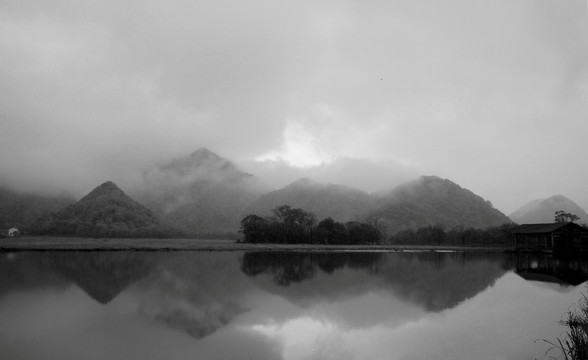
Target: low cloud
[(364, 174)]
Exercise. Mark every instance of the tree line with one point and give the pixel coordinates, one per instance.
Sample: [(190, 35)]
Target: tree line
[(99, 229), (288, 225), (437, 234), (498, 236)]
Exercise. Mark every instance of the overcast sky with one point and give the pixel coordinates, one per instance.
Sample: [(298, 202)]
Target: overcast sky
[(490, 94)]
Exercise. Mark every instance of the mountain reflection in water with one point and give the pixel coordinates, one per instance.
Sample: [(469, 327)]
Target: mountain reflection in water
[(102, 275), (433, 279), (282, 305)]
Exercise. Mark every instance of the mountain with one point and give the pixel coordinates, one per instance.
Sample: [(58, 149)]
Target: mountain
[(431, 200), (201, 194), (340, 202), (104, 212), (543, 210)]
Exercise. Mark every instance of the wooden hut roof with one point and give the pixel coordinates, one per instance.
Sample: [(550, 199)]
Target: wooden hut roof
[(543, 228)]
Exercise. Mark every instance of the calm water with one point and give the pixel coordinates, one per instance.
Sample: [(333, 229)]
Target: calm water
[(235, 305)]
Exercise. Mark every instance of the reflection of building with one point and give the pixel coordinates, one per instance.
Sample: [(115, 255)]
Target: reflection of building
[(551, 237), (546, 268)]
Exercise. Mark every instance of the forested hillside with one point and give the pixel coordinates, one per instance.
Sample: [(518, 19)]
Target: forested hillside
[(431, 200), (105, 212)]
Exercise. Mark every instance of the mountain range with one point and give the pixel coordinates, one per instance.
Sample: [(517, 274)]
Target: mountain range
[(204, 195)]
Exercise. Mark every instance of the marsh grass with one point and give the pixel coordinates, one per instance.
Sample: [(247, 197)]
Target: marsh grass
[(573, 345)]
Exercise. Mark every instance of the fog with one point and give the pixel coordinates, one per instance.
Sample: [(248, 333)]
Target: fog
[(490, 94)]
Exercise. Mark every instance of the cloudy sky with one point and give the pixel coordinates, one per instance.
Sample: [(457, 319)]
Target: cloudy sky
[(490, 94)]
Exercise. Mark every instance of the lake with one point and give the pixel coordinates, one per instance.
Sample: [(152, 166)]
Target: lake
[(283, 305)]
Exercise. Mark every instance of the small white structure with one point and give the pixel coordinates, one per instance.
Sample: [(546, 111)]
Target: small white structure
[(13, 232)]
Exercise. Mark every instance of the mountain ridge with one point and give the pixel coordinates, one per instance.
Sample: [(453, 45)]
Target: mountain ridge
[(203, 194)]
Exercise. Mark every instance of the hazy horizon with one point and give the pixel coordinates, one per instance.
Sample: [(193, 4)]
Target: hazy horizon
[(488, 94)]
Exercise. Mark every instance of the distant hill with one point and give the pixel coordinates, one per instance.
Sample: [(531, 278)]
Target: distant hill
[(105, 212), (340, 202), (431, 200), (201, 194), (543, 210), (23, 210)]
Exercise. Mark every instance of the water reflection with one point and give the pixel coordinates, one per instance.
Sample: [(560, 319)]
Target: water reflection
[(435, 280), (102, 275), (23, 271), (197, 293), (294, 267), (281, 305), (546, 268)]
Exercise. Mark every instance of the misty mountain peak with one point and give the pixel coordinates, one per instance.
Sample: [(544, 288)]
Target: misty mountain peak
[(105, 212), (107, 185), (200, 193), (203, 154), (432, 200), (305, 183), (201, 162), (543, 210), (555, 199), (107, 188), (107, 193), (339, 202), (426, 186), (429, 178)]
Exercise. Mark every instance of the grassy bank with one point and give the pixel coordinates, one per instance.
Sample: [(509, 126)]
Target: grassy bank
[(74, 243)]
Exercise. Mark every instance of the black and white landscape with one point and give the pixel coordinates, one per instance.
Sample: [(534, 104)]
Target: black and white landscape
[(293, 180)]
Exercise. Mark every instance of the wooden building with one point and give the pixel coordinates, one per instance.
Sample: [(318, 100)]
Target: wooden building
[(551, 237)]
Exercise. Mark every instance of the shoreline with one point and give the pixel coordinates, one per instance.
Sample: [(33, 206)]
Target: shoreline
[(33, 243)]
